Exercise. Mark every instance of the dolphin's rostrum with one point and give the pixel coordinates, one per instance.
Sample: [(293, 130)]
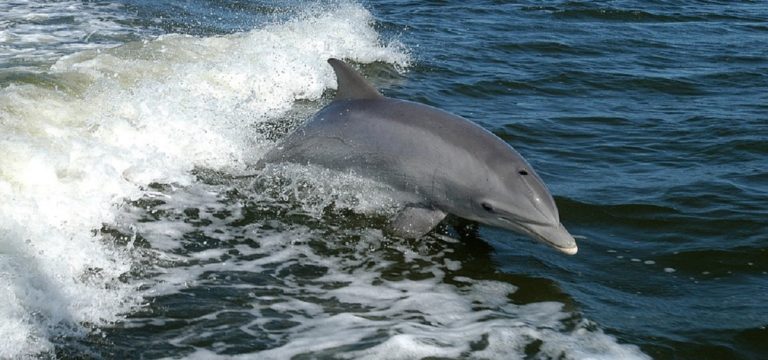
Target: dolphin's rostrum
[(447, 164)]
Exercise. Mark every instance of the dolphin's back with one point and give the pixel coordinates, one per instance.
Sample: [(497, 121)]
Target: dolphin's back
[(395, 141), (398, 142)]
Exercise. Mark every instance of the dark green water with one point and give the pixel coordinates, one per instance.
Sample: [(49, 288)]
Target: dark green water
[(648, 120)]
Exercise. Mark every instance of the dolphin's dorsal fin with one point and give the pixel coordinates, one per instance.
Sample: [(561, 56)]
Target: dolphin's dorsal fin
[(351, 85)]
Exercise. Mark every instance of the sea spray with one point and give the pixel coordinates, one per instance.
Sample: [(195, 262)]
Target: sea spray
[(92, 132)]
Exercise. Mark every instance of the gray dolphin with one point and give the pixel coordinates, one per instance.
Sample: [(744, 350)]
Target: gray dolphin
[(447, 164)]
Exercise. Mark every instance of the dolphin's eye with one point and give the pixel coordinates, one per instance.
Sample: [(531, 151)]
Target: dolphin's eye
[(522, 172), (487, 207)]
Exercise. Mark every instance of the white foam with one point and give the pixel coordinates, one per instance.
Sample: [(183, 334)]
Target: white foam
[(369, 315), (35, 33), (121, 118)]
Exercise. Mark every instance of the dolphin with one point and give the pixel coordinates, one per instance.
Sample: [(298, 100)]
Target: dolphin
[(445, 163)]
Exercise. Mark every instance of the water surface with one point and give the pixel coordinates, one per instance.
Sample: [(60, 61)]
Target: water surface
[(125, 231)]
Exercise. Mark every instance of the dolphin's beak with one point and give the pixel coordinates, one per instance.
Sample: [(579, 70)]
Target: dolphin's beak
[(554, 235)]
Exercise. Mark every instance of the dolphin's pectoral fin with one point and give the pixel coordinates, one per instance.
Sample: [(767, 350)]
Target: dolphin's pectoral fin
[(414, 222)]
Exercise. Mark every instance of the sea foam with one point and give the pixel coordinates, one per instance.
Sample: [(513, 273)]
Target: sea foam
[(107, 122)]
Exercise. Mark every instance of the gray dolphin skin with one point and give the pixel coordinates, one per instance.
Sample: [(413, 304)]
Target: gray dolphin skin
[(445, 163)]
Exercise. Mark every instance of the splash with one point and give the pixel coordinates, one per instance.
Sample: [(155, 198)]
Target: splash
[(296, 289), (92, 132)]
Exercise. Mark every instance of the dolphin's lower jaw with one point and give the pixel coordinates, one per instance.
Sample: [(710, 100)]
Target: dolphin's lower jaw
[(569, 251), (555, 236)]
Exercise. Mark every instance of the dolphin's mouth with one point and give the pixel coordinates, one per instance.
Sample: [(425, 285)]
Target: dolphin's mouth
[(515, 221), (555, 236), (569, 250)]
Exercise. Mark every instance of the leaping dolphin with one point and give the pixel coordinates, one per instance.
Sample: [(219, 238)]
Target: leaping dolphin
[(447, 164)]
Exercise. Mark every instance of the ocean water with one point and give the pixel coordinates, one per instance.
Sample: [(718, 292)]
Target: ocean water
[(133, 224)]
